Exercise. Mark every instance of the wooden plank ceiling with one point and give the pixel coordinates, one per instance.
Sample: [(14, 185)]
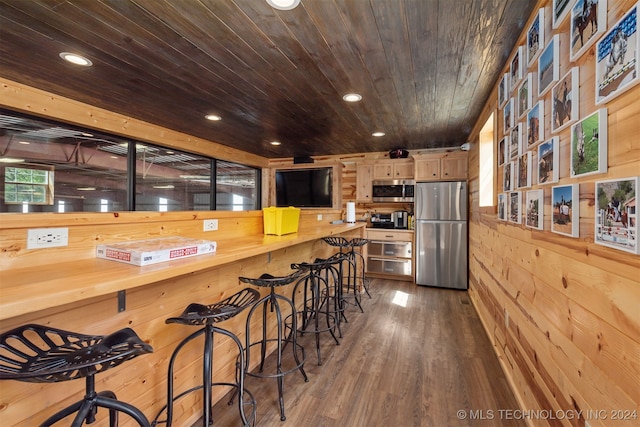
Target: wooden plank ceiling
[(423, 67)]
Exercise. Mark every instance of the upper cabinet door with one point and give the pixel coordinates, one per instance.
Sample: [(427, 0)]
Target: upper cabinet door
[(364, 176)]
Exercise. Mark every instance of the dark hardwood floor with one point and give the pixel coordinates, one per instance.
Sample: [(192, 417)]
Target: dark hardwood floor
[(426, 363)]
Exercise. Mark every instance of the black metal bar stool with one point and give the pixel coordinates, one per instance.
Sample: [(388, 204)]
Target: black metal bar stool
[(321, 292), (271, 303), (355, 253), (351, 293), (207, 316), (40, 354)]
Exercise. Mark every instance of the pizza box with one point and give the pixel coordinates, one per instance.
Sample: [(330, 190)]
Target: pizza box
[(153, 251)]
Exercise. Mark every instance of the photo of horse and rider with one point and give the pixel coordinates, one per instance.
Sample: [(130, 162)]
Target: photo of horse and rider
[(588, 21), (617, 58), (616, 221)]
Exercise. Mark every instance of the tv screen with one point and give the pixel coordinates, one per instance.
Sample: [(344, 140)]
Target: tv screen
[(304, 188)]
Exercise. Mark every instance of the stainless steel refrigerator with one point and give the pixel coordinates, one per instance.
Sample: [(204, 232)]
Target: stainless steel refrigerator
[(441, 234)]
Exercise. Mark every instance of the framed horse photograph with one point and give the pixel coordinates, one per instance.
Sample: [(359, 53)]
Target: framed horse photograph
[(524, 170), (516, 142), (534, 209), (507, 115), (565, 100), (535, 124), (559, 11), (502, 150), (514, 202), (565, 210), (588, 22), (617, 58), (549, 161), (616, 220), (507, 177), (503, 90), (515, 68), (524, 95), (535, 37), (589, 144), (549, 65), (502, 206)]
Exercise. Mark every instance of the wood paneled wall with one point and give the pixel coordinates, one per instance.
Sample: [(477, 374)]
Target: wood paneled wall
[(563, 313)]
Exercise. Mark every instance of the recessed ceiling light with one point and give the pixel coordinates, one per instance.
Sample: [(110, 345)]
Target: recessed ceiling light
[(275, 143), (76, 59), (352, 97), (378, 134), (24, 142), (283, 4), (213, 117)]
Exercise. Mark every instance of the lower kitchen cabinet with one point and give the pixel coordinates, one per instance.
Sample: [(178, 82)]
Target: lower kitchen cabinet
[(390, 253)]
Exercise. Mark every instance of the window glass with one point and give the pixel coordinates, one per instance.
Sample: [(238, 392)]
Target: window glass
[(69, 169), (236, 187), (487, 169), (49, 167), (170, 180)]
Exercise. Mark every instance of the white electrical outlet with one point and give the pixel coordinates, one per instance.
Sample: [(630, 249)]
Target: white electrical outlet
[(319, 217), (210, 225), (40, 238)]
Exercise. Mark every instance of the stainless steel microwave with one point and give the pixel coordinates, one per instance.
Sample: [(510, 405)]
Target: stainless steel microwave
[(396, 190)]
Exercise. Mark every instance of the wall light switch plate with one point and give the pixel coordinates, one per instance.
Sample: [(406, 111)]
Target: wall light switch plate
[(319, 217), (210, 225), (40, 238)]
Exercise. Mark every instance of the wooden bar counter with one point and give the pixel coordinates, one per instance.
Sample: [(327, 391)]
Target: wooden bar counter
[(68, 288)]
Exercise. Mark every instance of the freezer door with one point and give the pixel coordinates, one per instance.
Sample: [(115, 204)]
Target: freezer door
[(441, 201), (441, 258)]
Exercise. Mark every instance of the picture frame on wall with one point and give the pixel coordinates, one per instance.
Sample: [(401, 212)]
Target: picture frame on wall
[(515, 200), (535, 124), (549, 65), (588, 22), (534, 209), (565, 210), (616, 221), (559, 11), (507, 176), (502, 206), (549, 161), (503, 90), (515, 141), (507, 114), (617, 65), (502, 150), (515, 68), (565, 100), (524, 170), (524, 95), (514, 147), (535, 37), (589, 144)]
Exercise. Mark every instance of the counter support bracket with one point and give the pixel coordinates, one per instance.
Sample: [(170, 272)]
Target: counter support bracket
[(122, 301)]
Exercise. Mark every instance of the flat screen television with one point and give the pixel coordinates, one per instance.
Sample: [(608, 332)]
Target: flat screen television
[(305, 188)]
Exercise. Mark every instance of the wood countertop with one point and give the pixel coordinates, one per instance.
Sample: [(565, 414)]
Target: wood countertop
[(27, 290)]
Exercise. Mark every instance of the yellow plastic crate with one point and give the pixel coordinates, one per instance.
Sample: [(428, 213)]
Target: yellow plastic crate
[(280, 221)]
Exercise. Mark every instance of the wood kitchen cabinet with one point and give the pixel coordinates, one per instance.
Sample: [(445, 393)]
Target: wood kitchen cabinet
[(390, 253), (364, 176), (440, 167), (393, 169)]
